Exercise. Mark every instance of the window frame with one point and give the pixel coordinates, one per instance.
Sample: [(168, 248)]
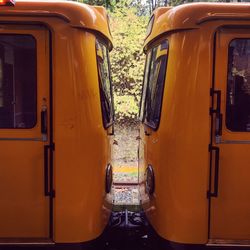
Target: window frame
[(143, 96), (230, 128), (144, 119), (150, 26), (106, 125), (35, 122)]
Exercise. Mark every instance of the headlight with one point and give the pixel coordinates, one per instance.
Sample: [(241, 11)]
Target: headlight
[(108, 178), (150, 180)]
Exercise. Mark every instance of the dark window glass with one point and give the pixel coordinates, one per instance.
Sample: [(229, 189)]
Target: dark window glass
[(105, 83), (145, 84), (17, 81), (155, 85), (238, 86)]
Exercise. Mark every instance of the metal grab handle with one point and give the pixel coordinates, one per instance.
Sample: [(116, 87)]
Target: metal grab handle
[(218, 125), (218, 93), (46, 171), (44, 119), (216, 171), (218, 128)]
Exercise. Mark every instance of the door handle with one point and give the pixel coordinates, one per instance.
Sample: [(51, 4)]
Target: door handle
[(44, 121), (218, 126), (216, 171)]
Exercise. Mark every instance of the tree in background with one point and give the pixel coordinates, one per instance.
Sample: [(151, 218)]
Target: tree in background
[(129, 19), (153, 4), (127, 58), (105, 3)]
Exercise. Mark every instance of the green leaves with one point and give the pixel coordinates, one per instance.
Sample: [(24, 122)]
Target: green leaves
[(105, 3), (129, 19), (127, 58)]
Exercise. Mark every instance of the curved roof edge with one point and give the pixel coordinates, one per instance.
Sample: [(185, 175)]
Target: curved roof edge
[(78, 15), (190, 16)]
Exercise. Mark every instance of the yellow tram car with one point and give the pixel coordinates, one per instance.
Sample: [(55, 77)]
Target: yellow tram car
[(195, 131), (56, 119)]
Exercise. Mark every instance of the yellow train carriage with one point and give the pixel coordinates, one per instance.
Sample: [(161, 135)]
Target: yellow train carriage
[(195, 131), (56, 116)]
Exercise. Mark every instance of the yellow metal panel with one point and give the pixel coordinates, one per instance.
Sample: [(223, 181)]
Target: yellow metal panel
[(81, 206), (178, 208), (24, 210), (190, 16), (230, 211), (75, 14), (178, 150), (82, 146)]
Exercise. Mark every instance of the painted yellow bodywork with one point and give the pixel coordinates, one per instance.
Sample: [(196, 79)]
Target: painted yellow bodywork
[(230, 213), (82, 147), (23, 208), (77, 15), (190, 16), (178, 151)]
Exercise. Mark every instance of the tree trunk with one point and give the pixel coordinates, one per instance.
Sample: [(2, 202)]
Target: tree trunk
[(152, 5)]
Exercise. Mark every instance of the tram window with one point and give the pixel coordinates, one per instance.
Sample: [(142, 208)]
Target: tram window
[(145, 84), (155, 86), (105, 83), (17, 81), (238, 86)]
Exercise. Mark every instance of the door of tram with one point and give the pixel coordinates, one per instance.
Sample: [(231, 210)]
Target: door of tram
[(24, 132), (230, 168)]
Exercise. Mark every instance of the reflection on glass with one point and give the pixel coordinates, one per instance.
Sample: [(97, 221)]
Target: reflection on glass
[(156, 76), (105, 83), (17, 81), (238, 86)]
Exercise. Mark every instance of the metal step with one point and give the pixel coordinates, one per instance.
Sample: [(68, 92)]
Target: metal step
[(228, 243), (26, 241)]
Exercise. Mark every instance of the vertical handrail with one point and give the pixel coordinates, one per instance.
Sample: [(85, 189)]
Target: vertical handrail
[(46, 171), (214, 193)]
